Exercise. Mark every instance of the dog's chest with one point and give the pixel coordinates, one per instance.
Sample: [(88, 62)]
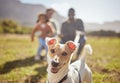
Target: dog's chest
[(73, 75)]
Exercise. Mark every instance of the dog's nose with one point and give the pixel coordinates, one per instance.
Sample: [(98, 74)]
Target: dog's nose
[(54, 63)]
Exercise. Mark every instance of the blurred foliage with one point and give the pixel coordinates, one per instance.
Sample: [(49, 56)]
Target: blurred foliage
[(104, 33), (10, 26)]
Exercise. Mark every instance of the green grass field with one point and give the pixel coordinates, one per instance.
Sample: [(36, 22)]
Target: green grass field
[(17, 62)]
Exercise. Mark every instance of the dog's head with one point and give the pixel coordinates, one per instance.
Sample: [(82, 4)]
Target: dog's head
[(59, 55)]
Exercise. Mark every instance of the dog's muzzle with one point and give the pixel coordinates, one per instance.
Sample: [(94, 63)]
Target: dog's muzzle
[(54, 63)]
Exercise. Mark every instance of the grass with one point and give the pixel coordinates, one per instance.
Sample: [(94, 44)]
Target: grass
[(105, 62), (17, 62)]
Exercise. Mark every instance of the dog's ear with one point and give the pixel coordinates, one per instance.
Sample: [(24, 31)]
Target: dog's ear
[(71, 45), (51, 41)]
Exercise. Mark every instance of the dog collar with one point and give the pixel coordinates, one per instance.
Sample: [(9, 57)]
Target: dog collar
[(63, 79), (78, 75)]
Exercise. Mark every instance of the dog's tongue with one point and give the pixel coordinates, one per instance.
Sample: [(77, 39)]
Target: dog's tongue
[(54, 70)]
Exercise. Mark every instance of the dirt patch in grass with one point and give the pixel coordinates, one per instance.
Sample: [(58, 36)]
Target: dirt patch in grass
[(110, 74)]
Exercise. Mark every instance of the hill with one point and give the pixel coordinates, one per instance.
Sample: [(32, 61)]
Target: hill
[(26, 15), (107, 26)]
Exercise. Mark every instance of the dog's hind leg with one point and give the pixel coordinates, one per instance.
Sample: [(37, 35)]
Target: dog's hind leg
[(88, 75), (84, 70), (86, 51)]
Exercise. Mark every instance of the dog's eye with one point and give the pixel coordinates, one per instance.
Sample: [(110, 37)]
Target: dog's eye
[(64, 53), (52, 50)]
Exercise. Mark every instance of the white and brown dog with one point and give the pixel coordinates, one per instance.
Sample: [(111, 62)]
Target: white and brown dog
[(59, 68)]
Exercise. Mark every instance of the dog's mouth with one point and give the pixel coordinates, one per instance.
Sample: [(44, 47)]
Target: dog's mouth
[(54, 69)]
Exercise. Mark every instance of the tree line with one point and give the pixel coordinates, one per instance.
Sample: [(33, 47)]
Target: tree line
[(10, 26), (103, 33)]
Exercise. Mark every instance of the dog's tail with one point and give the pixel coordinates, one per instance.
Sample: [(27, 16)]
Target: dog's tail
[(87, 50)]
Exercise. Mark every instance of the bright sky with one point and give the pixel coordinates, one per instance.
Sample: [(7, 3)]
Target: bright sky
[(88, 10)]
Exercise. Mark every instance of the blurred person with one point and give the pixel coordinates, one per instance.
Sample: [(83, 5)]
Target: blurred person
[(51, 21), (42, 30), (69, 28)]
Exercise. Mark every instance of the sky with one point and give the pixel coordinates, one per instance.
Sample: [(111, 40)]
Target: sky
[(88, 10)]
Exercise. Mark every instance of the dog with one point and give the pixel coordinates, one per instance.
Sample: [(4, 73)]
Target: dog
[(59, 58)]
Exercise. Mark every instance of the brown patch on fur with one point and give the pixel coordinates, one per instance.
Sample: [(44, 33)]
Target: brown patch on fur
[(61, 52)]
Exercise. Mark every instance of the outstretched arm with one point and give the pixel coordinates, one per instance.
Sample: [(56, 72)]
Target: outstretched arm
[(51, 32), (62, 30), (51, 26), (81, 26), (32, 34)]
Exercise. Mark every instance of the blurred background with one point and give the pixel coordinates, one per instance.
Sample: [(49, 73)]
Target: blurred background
[(97, 14), (17, 18)]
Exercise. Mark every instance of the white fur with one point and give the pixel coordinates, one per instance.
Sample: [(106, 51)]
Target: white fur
[(78, 34), (73, 76)]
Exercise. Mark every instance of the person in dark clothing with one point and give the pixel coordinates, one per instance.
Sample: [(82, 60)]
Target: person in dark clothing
[(69, 28)]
